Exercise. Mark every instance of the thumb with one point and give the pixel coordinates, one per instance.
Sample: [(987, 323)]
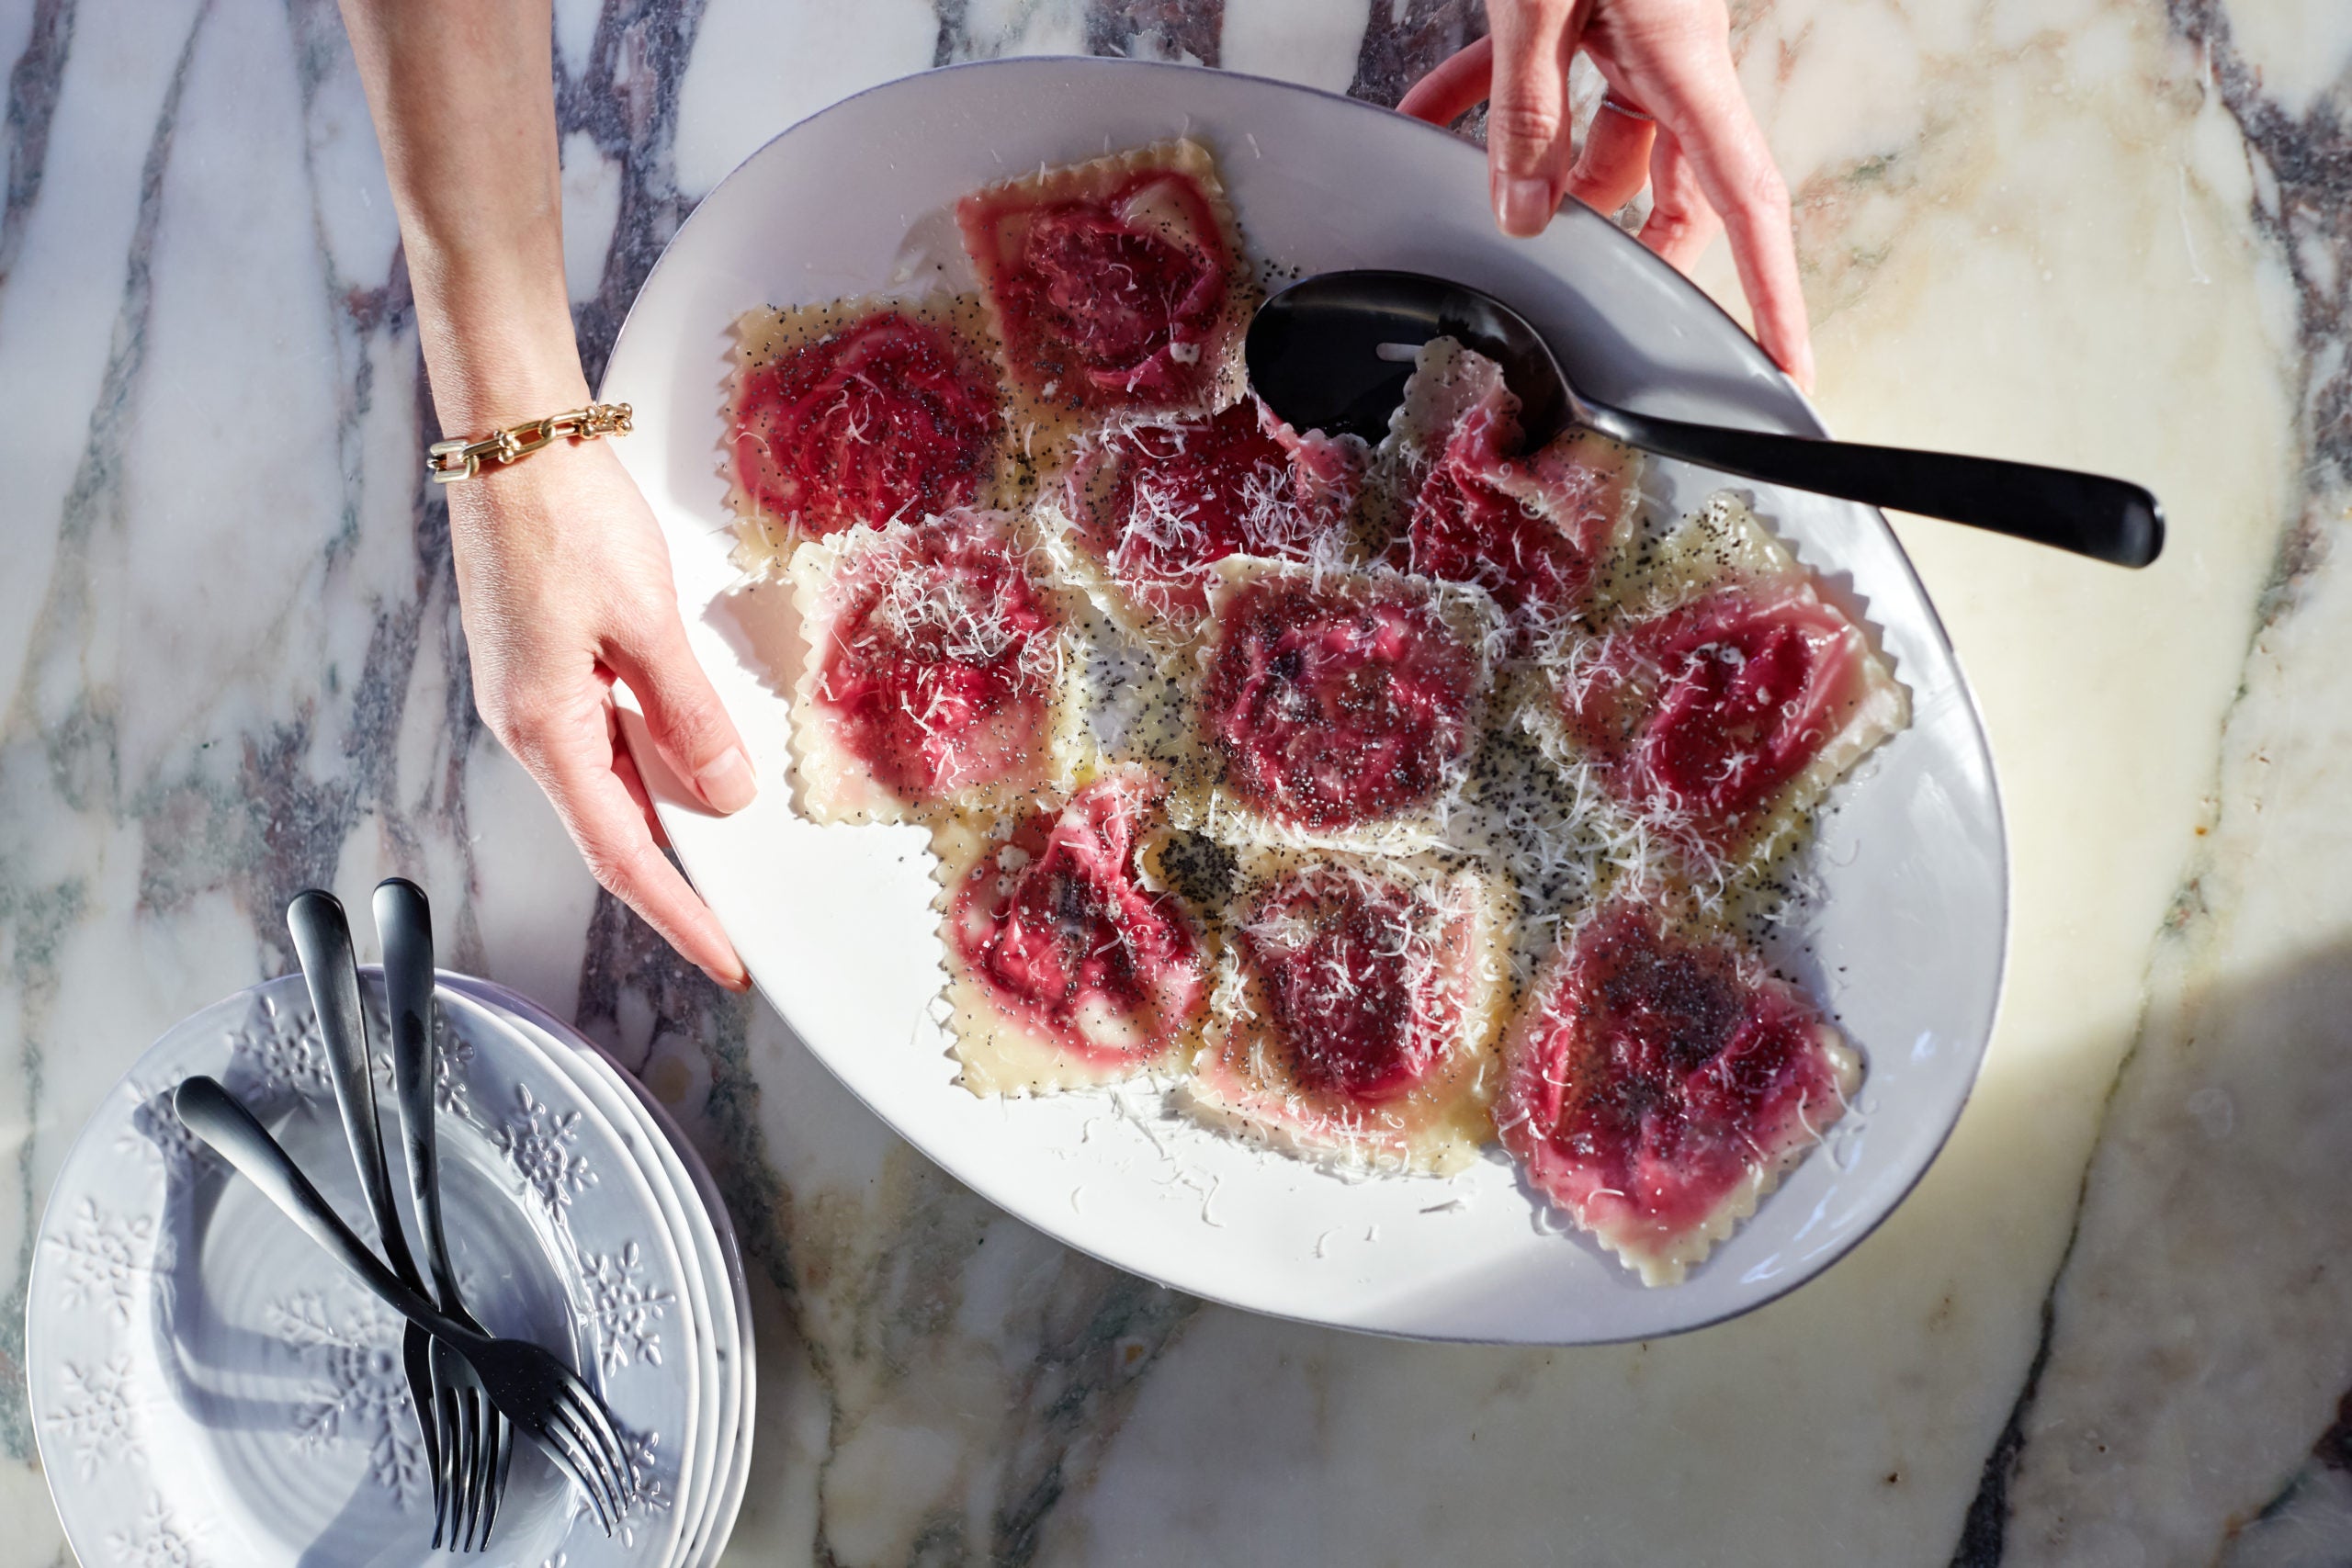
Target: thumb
[(1527, 114), (689, 725)]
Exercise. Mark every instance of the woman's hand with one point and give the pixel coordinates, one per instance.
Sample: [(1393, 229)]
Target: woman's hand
[(564, 583), (1674, 119), (562, 578)]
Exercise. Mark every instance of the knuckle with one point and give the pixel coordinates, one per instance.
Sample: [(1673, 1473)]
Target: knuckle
[(1512, 125), (618, 868), (522, 721), (1670, 225), (509, 718), (1766, 195)]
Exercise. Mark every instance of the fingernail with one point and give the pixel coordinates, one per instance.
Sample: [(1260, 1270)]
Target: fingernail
[(1522, 205), (727, 783), (738, 982)]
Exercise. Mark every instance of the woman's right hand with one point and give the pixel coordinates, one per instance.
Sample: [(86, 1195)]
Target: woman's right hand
[(563, 582), (1674, 119)]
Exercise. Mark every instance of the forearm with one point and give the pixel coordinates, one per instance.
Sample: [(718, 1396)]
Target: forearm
[(463, 96)]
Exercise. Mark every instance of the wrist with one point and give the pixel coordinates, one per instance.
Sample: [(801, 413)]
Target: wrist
[(498, 345)]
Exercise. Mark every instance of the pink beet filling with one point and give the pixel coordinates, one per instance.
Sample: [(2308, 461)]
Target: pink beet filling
[(1334, 710), (1711, 709), (887, 417), (1466, 527), (1659, 1076), (940, 667), (1182, 496), (1108, 308), (1077, 935), (1330, 951)]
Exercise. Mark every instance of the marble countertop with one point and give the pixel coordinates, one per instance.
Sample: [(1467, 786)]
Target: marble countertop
[(2113, 1325)]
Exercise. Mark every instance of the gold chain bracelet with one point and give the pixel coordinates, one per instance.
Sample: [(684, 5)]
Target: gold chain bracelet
[(449, 461)]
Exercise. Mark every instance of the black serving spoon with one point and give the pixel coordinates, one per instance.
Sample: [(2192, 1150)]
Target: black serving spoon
[(1332, 353)]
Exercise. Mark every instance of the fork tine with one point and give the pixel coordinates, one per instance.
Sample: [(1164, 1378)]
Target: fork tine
[(596, 1475), (611, 1482), (502, 1451), (416, 1363), (454, 1456), (445, 1471), (478, 1478), (469, 1458), (615, 1475), (588, 1417), (560, 1445), (600, 1424)]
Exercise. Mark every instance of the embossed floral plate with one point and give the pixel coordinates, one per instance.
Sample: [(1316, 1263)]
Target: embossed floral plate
[(208, 1388), (646, 1150), (1904, 941), (722, 1301)]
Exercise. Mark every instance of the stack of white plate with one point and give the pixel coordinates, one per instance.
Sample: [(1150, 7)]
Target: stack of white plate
[(208, 1387)]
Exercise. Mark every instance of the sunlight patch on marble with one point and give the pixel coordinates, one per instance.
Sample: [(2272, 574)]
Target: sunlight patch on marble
[(2303, 48), (1312, 41), (758, 67), (992, 28)]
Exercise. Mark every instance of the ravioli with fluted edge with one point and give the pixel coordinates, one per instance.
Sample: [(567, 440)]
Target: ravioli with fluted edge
[(1357, 1010)]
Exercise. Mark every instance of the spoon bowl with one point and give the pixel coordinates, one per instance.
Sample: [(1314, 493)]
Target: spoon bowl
[(1333, 352)]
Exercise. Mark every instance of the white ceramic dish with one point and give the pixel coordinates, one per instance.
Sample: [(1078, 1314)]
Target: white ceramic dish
[(671, 1192), (836, 924), (208, 1385), (710, 1237)]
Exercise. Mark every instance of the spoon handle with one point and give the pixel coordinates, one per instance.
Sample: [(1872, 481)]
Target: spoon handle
[(2105, 519), (322, 940), (219, 1118), (404, 922)]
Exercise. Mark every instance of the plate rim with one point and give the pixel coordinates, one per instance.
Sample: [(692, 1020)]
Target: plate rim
[(721, 1281)]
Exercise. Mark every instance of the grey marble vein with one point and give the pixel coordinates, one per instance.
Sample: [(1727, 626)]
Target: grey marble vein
[(32, 103)]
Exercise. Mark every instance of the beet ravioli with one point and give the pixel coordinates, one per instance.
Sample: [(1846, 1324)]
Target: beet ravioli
[(1658, 1083), (1145, 510), (938, 674), (1117, 285), (1717, 714), (1357, 1010), (862, 411), (1068, 964), (1337, 710), (1537, 531)]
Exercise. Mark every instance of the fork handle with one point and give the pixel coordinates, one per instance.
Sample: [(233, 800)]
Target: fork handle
[(219, 1118), (404, 923), (322, 940), (2090, 515)]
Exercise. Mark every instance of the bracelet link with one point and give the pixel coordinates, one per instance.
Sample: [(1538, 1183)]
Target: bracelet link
[(449, 461)]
